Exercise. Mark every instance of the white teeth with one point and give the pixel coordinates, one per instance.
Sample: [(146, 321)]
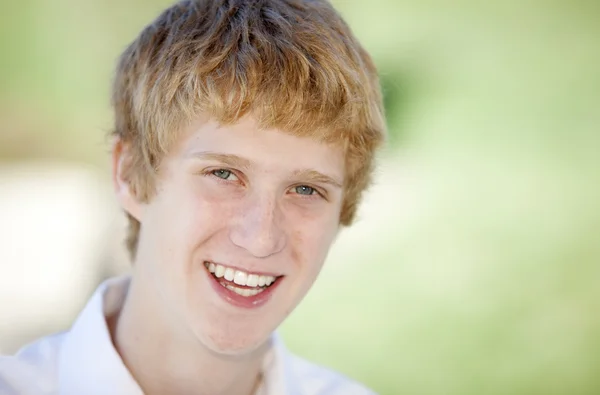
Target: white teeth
[(252, 280), (240, 278), (246, 292), (229, 274), (262, 280)]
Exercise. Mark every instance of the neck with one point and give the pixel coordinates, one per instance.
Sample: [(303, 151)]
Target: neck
[(167, 360)]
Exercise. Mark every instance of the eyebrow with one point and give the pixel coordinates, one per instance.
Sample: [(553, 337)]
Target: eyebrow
[(310, 175), (315, 176), (228, 159)]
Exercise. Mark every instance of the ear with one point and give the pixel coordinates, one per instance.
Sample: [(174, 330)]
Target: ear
[(124, 192)]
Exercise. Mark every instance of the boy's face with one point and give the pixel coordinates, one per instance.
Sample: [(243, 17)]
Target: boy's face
[(237, 208)]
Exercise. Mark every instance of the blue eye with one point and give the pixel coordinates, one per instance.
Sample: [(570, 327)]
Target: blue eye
[(304, 190), (222, 173)]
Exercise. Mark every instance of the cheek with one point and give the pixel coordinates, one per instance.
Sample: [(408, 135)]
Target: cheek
[(208, 199), (186, 218), (311, 243)]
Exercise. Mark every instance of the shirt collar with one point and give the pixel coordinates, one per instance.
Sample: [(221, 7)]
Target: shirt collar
[(89, 363), (281, 378)]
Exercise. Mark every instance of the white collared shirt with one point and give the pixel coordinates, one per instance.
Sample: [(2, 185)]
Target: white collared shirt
[(83, 360)]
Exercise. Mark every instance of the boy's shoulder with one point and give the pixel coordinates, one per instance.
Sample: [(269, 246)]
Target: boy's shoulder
[(313, 379), (33, 369)]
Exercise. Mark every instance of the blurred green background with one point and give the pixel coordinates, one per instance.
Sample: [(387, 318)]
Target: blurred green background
[(474, 267)]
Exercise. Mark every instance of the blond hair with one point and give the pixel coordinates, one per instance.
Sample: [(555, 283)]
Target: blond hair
[(294, 65)]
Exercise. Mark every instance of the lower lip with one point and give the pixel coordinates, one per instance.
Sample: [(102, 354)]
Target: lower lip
[(247, 302)]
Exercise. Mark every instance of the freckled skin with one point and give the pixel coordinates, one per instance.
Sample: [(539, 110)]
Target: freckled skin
[(254, 219)]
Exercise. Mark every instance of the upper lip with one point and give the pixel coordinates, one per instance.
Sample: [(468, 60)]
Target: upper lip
[(251, 271)]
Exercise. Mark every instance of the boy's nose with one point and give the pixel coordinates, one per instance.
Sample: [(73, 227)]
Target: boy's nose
[(257, 228)]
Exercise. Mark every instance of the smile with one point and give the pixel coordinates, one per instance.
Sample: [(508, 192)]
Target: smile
[(240, 282)]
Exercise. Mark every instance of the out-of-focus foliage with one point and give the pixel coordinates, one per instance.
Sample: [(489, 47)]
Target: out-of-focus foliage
[(473, 267)]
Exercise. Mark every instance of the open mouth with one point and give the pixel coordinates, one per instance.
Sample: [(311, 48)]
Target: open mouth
[(240, 282)]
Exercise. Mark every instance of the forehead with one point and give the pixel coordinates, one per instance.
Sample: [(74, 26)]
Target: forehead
[(269, 148)]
